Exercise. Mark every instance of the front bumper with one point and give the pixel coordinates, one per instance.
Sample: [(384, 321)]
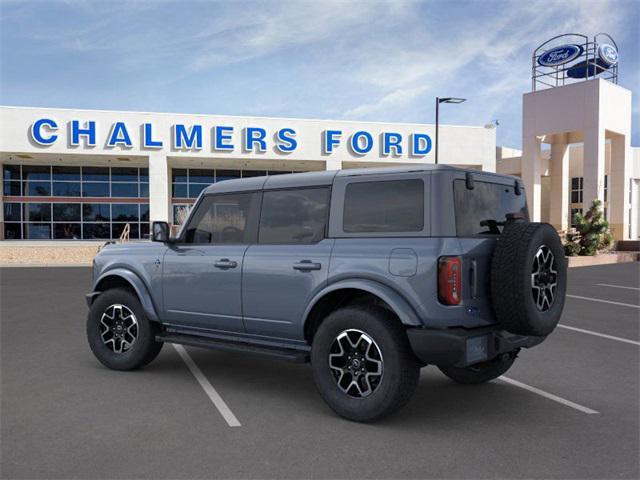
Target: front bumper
[(90, 297), (460, 347)]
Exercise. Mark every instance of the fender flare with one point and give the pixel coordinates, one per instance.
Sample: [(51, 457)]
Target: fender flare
[(137, 284), (406, 313)]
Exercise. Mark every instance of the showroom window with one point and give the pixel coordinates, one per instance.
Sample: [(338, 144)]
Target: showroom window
[(78, 202)]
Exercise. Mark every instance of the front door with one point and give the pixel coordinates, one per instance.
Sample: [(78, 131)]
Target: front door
[(290, 262), (202, 271)]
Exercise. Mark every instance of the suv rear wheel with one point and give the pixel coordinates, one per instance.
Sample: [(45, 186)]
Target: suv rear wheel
[(119, 333), (362, 363), (482, 372)]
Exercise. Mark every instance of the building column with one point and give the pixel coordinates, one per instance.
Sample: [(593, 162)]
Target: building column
[(593, 164), (333, 164), (559, 169), (619, 187), (531, 173), (159, 188)]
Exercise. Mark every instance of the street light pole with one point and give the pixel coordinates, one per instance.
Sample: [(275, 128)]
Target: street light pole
[(438, 102), (437, 125)]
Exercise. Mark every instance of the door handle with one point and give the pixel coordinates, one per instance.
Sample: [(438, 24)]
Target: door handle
[(225, 263), (305, 265)]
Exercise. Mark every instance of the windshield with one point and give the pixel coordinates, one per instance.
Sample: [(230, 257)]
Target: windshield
[(484, 209)]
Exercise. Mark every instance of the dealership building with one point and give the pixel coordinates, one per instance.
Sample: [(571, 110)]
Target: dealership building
[(90, 174)]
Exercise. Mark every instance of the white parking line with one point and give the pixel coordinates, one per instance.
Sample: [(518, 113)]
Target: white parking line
[(604, 301), (550, 396), (215, 397), (603, 335), (616, 286)]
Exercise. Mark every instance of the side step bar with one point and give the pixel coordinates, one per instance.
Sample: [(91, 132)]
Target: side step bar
[(287, 354)]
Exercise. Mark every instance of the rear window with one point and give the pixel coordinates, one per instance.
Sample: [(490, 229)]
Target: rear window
[(388, 206), (483, 210)]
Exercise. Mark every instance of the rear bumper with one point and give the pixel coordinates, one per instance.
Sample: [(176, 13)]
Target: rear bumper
[(460, 347)]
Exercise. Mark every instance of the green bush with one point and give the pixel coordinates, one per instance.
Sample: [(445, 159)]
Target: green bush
[(591, 233)]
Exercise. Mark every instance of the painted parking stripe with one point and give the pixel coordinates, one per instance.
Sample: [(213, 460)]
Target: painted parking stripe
[(550, 396), (616, 286), (603, 335), (604, 301), (215, 397)]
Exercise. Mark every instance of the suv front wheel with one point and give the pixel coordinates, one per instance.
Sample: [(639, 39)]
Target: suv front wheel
[(363, 365), (119, 333)]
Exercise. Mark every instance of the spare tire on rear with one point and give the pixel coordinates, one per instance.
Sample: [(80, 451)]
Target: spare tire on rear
[(528, 278)]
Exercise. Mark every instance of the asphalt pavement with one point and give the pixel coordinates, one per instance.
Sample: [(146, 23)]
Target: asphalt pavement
[(569, 408)]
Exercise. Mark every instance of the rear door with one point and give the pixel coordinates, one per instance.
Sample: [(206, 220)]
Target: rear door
[(203, 272), (289, 263)]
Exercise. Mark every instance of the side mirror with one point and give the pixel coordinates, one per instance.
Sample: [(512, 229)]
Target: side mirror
[(160, 232)]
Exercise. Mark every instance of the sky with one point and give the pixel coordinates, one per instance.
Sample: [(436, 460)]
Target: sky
[(366, 60)]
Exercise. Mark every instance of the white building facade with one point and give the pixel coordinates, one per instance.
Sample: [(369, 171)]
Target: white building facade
[(86, 174)]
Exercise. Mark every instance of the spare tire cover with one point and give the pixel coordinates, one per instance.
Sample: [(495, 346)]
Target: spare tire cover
[(528, 278)]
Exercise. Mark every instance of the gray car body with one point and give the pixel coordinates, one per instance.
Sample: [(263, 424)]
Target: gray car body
[(266, 300)]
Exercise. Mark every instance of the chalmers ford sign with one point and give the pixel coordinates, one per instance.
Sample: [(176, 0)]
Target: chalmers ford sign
[(45, 132)]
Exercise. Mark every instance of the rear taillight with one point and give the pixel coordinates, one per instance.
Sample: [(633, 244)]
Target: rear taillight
[(449, 285)]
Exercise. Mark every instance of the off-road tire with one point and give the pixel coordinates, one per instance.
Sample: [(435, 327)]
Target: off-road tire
[(401, 370), (480, 373), (511, 278), (145, 347)]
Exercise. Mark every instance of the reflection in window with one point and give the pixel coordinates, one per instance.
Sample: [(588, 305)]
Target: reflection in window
[(222, 219)]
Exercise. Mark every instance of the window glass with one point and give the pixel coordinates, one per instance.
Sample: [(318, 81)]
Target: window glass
[(12, 212), (144, 174), (294, 216), (118, 228), (179, 175), (96, 212), (66, 189), (180, 213), (66, 212), (144, 190), (12, 189), (179, 190), (66, 173), (96, 174), (124, 190), (124, 212), (486, 202), (223, 219), (95, 189), (12, 231), (36, 172), (253, 173), (195, 189), (37, 189), (96, 230), (120, 174), (37, 212), (11, 172), (70, 231), (386, 206), (222, 175), (144, 212), (198, 175), (37, 231)]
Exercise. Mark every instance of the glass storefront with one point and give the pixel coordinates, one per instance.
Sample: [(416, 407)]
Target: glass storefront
[(77, 202)]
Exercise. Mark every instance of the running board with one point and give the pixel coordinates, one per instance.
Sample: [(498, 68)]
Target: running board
[(287, 354)]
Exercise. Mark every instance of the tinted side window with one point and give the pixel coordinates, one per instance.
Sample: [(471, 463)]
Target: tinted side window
[(223, 219), (294, 216), (386, 206), (487, 202)]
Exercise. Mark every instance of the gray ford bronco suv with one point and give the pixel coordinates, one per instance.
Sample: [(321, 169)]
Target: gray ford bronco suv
[(367, 274)]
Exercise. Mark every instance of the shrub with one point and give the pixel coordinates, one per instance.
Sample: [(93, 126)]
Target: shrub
[(591, 233)]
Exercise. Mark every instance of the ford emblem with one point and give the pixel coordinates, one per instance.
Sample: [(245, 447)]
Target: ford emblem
[(608, 54), (560, 55)]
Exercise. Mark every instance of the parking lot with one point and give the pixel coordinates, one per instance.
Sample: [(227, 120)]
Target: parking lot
[(567, 409)]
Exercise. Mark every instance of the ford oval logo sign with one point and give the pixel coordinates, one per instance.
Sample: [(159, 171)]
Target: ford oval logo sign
[(608, 54), (560, 55)]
